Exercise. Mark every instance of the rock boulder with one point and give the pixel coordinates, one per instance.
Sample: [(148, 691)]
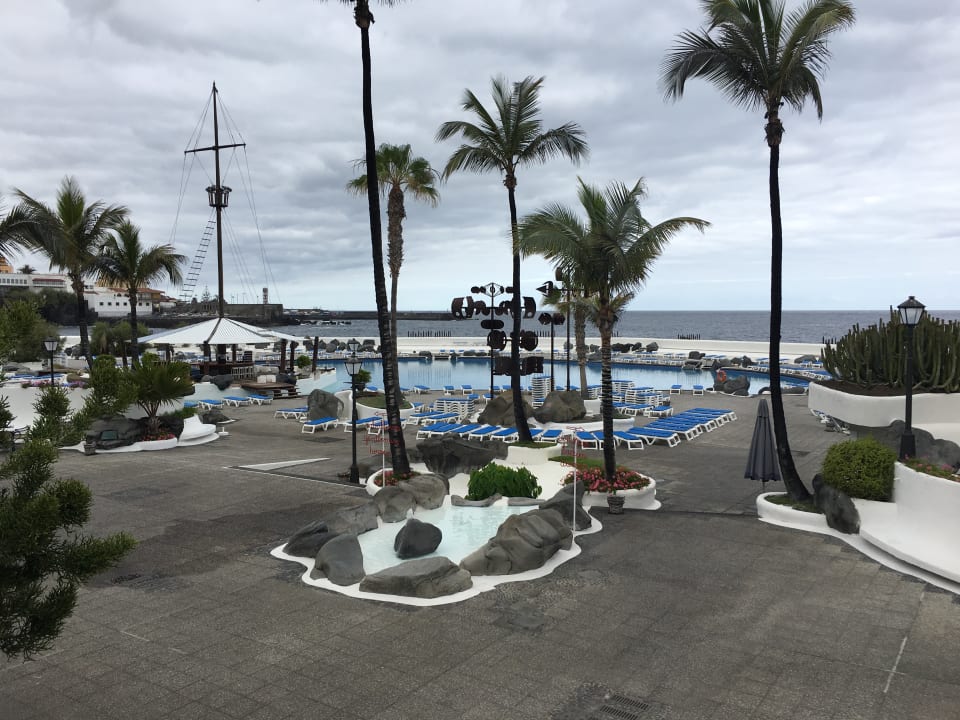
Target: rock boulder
[(416, 539), (499, 411), (428, 490), (561, 503), (321, 404), (340, 561), (838, 509), (423, 578), (356, 520), (308, 540), (523, 542), (561, 407), (448, 455), (394, 503)]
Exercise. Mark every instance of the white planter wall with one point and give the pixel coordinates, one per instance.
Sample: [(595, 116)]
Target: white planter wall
[(939, 413)]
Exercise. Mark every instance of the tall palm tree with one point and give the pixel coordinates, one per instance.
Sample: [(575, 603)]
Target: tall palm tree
[(503, 141), (12, 230), (125, 261), (609, 256), (26, 270), (398, 172), (70, 235), (761, 57), (388, 341)]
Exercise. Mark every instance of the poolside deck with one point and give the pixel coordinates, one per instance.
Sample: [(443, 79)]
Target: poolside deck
[(698, 610)]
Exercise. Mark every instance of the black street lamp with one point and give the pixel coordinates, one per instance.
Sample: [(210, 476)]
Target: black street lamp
[(911, 310), (552, 319), (548, 288), (50, 345), (353, 365), (496, 338)]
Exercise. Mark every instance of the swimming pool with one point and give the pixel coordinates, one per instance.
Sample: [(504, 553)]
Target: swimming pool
[(475, 371)]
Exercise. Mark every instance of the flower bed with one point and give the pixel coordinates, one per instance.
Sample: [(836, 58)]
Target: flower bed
[(638, 490)]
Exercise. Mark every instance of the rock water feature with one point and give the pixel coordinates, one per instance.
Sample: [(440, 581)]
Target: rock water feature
[(522, 542)]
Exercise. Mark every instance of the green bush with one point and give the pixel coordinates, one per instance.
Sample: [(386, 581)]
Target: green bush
[(494, 479), (860, 468)]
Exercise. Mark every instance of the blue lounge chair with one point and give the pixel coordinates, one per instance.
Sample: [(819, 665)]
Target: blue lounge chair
[(324, 423), (652, 435), (551, 435), (632, 441), (297, 413), (482, 432), (588, 440), (261, 399), (361, 422), (237, 400), (507, 435)]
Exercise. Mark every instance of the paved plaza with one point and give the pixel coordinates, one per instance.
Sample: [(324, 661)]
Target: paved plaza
[(698, 610)]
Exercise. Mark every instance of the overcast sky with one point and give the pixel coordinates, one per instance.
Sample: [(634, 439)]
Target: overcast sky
[(110, 91)]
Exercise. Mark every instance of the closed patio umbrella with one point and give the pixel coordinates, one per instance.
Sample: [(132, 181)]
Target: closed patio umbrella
[(762, 462)]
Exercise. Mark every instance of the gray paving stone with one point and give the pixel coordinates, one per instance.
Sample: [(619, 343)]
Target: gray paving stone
[(698, 606)]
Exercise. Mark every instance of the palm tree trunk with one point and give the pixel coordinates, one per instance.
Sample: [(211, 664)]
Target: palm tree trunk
[(82, 322), (388, 348), (134, 353), (606, 397), (580, 332), (395, 215), (519, 417), (791, 478)]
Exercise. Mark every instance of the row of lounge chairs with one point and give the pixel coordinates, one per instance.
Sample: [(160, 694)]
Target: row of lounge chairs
[(687, 425), (228, 401)]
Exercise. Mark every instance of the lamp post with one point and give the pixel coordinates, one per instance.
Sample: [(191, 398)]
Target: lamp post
[(911, 310), (50, 345), (551, 319), (353, 365), (548, 288), (496, 338)]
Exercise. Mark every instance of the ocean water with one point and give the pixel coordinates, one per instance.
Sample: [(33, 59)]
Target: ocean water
[(798, 326)]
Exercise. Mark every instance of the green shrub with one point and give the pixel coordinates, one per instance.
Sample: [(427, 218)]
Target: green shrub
[(860, 468), (510, 482)]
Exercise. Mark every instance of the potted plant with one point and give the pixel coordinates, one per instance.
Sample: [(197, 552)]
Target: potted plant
[(158, 384), (303, 363), (594, 481)]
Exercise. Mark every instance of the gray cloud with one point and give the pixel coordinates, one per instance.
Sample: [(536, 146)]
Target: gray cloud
[(110, 91)]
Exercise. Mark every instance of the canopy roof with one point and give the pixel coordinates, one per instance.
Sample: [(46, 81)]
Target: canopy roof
[(218, 331)]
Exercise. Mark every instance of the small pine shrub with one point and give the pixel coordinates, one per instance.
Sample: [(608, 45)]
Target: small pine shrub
[(861, 468), (497, 479)]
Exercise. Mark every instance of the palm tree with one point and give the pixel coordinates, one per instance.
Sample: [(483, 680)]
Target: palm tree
[(398, 171), (609, 257), (26, 270), (761, 57), (388, 341), (126, 262), (511, 137), (70, 235), (12, 231)]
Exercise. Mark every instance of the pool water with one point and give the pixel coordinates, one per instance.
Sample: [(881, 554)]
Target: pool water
[(475, 371), (464, 529)]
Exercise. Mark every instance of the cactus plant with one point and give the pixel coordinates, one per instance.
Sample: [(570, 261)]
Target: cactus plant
[(876, 355)]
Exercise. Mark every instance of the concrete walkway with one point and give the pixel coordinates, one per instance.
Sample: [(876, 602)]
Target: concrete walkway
[(698, 610)]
